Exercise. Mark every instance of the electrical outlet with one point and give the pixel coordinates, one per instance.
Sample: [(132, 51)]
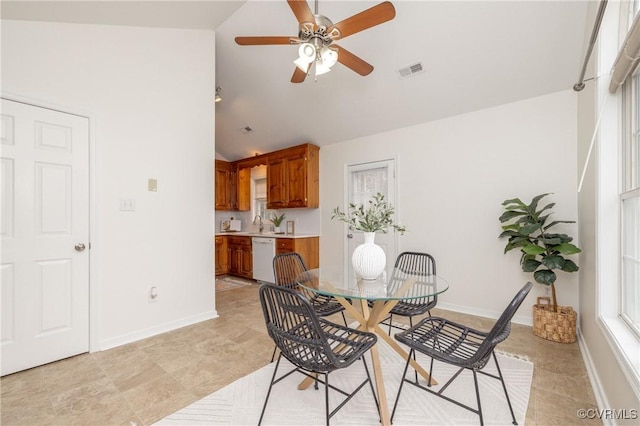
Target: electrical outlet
[(153, 294)]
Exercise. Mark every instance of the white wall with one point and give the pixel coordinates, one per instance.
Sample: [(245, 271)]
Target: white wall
[(149, 93), (452, 176)]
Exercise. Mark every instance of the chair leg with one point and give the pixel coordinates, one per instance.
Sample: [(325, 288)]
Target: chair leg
[(273, 355), (273, 378), (430, 372), (504, 386), (344, 319), (390, 322), (475, 382), (402, 380), (414, 353), (326, 396)]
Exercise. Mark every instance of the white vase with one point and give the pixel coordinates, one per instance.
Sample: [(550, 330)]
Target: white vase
[(369, 259)]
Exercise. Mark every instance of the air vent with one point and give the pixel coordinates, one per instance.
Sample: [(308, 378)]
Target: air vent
[(411, 70), (245, 130)]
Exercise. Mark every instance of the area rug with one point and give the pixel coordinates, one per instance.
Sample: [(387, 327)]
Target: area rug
[(228, 283), (240, 403)]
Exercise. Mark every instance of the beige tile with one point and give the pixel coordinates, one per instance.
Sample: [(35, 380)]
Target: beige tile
[(136, 371), (95, 390), (98, 409), (26, 405), (71, 373), (158, 398), (562, 410), (22, 385)]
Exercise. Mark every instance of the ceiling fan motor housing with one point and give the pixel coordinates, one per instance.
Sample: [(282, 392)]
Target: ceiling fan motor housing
[(318, 33)]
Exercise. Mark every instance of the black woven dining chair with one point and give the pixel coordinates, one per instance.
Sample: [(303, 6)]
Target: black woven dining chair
[(287, 268), (414, 263), (461, 346), (315, 346), (410, 262)]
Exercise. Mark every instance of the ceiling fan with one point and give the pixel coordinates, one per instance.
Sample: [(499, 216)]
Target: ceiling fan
[(316, 36)]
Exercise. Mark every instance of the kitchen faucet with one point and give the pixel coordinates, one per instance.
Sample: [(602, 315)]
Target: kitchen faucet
[(259, 218)]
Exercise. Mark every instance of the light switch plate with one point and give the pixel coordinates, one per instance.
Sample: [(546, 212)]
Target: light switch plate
[(153, 185), (127, 204)]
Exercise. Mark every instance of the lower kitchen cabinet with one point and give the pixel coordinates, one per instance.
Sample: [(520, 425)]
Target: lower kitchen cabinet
[(234, 254), (240, 256), (221, 256), (308, 248)]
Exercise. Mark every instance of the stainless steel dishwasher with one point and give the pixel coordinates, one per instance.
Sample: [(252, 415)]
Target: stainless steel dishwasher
[(264, 249)]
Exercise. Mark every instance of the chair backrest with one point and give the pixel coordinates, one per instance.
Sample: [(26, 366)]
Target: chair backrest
[(410, 263), (293, 325), (501, 329), (287, 267)]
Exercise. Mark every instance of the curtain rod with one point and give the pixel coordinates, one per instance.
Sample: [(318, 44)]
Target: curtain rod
[(594, 35)]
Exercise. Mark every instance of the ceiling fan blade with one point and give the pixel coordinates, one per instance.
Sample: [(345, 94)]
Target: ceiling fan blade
[(301, 9), (371, 17), (261, 40), (299, 75), (350, 60)]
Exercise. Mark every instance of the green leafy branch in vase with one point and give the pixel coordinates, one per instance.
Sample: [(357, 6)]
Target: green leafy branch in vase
[(378, 216)]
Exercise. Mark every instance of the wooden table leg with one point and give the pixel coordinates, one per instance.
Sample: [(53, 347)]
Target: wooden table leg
[(380, 332), (377, 368)]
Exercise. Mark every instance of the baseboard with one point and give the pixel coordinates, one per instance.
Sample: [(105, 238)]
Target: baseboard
[(594, 379), (153, 331)]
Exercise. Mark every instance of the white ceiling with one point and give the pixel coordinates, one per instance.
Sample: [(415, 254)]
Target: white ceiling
[(476, 54)]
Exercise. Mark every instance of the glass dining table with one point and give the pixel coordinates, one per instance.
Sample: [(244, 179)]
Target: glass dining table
[(383, 294)]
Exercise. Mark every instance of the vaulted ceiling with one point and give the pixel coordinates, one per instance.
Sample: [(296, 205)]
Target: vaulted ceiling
[(474, 54)]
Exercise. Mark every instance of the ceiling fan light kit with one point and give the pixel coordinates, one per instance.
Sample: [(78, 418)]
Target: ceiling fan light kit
[(316, 33)]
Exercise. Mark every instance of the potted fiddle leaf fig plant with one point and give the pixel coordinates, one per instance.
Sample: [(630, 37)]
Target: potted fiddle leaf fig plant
[(528, 228)]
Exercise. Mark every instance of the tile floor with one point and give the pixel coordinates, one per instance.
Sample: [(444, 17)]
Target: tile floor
[(142, 382)]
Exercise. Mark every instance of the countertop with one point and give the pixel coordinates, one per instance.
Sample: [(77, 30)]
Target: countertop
[(265, 235)]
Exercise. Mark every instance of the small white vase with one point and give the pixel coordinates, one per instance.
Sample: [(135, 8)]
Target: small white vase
[(276, 229), (369, 259)]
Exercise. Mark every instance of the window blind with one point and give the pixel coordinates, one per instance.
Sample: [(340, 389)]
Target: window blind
[(628, 57)]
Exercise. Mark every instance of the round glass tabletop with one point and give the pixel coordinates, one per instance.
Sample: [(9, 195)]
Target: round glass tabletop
[(400, 284)]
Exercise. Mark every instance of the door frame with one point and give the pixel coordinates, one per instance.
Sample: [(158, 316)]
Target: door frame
[(94, 342), (345, 202)]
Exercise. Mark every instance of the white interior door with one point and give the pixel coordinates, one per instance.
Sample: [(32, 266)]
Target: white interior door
[(44, 293), (363, 182)]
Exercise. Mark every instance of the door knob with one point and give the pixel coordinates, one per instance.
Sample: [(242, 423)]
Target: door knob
[(79, 247), (349, 235)]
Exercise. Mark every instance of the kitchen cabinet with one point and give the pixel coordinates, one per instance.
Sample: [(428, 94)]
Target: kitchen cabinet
[(221, 256), (240, 256), (293, 177), (308, 248), (225, 185), (244, 190)]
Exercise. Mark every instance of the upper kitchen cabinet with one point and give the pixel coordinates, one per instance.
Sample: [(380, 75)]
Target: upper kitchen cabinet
[(244, 180), (293, 177), (225, 186)]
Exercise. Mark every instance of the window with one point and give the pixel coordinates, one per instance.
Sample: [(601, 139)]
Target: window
[(260, 201), (630, 207)]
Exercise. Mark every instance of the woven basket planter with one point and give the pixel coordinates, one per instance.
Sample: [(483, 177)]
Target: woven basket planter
[(555, 326)]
